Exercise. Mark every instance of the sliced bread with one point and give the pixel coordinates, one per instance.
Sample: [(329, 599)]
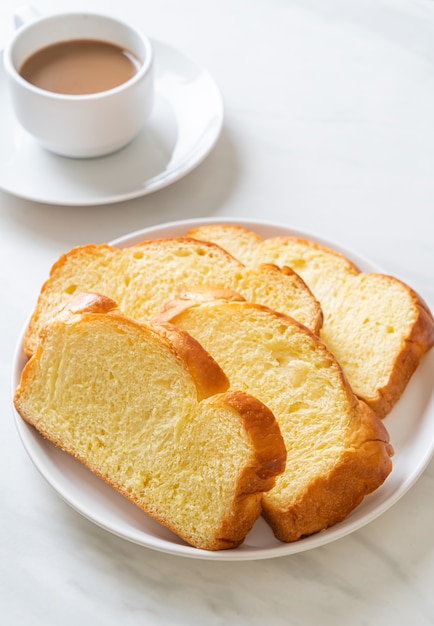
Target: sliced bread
[(147, 410), (338, 450), (377, 327), (141, 278)]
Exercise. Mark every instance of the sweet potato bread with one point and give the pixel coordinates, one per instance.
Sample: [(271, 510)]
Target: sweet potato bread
[(377, 327), (338, 450), (148, 410), (141, 278)]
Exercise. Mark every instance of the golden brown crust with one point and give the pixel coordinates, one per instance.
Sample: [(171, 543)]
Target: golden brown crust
[(187, 295), (207, 294), (189, 298), (364, 465), (205, 371), (266, 438), (83, 302), (413, 348), (182, 238), (316, 315), (197, 233), (347, 265), (202, 232), (61, 261), (268, 461)]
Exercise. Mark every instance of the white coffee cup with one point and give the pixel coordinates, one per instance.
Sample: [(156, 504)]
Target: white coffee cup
[(88, 125)]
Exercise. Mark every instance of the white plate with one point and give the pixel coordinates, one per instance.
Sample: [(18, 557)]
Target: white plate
[(183, 128), (410, 424)]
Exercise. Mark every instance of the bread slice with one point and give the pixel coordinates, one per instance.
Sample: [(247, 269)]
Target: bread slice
[(141, 278), (377, 327), (147, 410), (338, 450)]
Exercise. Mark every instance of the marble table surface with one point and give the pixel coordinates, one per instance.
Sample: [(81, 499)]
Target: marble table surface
[(328, 128)]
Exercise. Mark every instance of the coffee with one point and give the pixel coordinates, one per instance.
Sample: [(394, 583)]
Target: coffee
[(80, 66)]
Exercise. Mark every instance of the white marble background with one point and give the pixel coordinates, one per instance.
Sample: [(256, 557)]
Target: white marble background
[(329, 127)]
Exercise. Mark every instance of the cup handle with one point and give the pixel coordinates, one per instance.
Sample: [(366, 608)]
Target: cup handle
[(24, 15)]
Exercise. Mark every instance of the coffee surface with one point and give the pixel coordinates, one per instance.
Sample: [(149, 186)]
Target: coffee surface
[(79, 66)]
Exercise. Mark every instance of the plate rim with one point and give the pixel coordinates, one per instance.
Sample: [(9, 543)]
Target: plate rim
[(338, 531)]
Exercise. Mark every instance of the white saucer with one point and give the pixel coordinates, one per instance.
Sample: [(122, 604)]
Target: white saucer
[(183, 128)]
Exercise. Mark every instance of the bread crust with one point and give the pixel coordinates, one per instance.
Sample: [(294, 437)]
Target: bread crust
[(407, 360), (260, 475), (252, 241), (327, 501), (34, 325), (208, 378)]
